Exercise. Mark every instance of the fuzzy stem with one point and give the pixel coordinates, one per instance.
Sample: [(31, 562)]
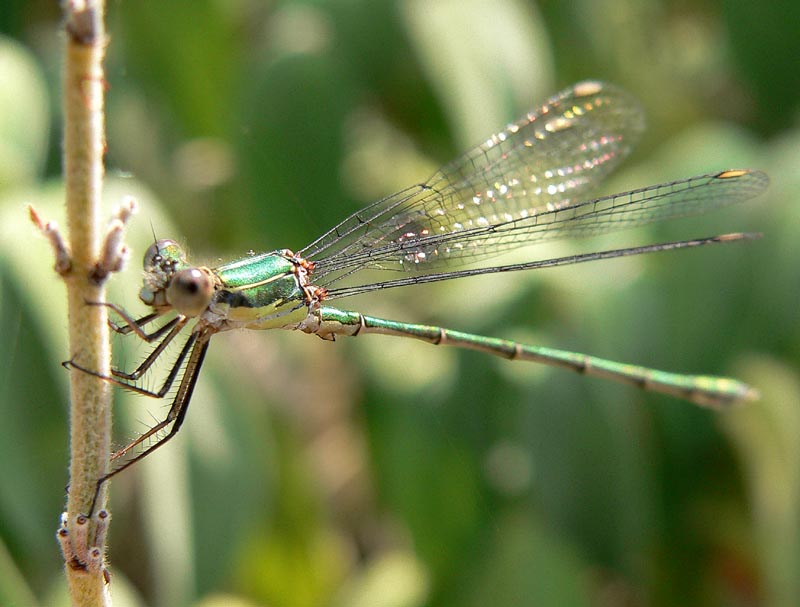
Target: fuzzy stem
[(84, 144)]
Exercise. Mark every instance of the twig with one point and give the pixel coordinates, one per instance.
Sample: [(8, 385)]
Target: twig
[(85, 263)]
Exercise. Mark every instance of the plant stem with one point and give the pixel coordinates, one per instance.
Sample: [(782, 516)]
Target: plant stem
[(84, 144)]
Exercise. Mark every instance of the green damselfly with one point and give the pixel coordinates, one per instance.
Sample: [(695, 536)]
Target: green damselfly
[(523, 185)]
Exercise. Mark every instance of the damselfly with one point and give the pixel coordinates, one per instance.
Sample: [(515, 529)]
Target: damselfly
[(523, 185)]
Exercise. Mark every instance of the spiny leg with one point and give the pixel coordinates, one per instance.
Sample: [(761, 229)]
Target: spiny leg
[(135, 325), (174, 418), (177, 410), (168, 381), (176, 325)]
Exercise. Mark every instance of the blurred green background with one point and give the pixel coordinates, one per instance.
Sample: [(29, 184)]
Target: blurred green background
[(375, 472)]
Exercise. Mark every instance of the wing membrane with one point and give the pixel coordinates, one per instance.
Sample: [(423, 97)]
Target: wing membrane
[(548, 159)]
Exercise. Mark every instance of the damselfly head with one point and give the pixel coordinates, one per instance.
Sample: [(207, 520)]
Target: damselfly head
[(163, 255)]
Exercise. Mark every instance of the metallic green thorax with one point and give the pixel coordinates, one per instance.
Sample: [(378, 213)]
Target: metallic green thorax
[(262, 292)]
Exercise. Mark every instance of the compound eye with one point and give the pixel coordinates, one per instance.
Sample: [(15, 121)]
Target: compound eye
[(160, 252), (190, 291)]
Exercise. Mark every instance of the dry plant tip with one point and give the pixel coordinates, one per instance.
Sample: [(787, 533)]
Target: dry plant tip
[(114, 253), (49, 229), (126, 208)]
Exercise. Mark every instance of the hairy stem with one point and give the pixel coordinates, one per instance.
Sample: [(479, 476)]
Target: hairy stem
[(84, 144)]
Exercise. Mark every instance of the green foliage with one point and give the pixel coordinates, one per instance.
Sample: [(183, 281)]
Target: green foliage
[(384, 473)]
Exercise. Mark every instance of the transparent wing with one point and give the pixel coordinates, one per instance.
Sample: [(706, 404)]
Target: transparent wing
[(606, 214), (545, 161)]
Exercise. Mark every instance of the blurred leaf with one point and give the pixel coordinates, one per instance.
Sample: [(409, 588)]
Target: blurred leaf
[(24, 120), (760, 47), (13, 588), (481, 86), (392, 580), (524, 566), (765, 436)]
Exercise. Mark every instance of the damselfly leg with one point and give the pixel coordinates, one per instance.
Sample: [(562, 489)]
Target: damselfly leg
[(190, 359)]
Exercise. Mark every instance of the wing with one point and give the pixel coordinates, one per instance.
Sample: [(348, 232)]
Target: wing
[(609, 213), (545, 161)]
